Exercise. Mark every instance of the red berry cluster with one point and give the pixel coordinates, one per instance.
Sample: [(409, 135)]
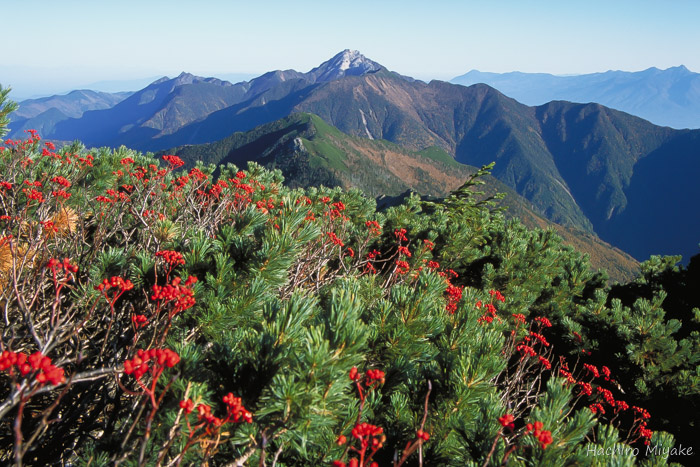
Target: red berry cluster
[(65, 265), (204, 414), (334, 239), (33, 194), (506, 421), (592, 370), (208, 425), (527, 346), (374, 375), (60, 194), (454, 295), (49, 226), (543, 436), (597, 408), (586, 388), (174, 161), (337, 209), (538, 337), (497, 295), (351, 463), (236, 410), (645, 433), (112, 197), (544, 361), (139, 321), (38, 363), (371, 376), (622, 405), (400, 234), (182, 296), (543, 321), (115, 282), (491, 312), (61, 181), (526, 351), (519, 318), (187, 405), (159, 359), (603, 396), (120, 286), (374, 227), (153, 214), (402, 267), (264, 205), (305, 200), (643, 413), (370, 380), (173, 258), (370, 437), (564, 372)]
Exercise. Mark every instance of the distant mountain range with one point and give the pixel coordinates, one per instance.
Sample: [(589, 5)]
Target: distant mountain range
[(44, 113), (143, 119), (668, 97), (584, 166)]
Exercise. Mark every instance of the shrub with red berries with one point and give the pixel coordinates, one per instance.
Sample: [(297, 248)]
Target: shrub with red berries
[(158, 311)]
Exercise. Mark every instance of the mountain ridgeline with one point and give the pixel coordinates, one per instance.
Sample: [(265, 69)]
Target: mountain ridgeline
[(584, 166), (309, 152), (668, 97), (43, 114)]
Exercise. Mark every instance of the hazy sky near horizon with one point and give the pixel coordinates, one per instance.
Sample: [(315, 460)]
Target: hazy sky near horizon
[(54, 46)]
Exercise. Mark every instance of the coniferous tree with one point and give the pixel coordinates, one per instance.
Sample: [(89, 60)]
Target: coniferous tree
[(6, 107)]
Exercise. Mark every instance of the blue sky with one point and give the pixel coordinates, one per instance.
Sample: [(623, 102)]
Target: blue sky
[(53, 46)]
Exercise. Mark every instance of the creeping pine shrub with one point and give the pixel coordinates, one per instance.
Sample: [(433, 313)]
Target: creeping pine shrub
[(153, 316)]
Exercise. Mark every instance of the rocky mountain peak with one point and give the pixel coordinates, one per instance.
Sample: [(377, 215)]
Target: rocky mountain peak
[(346, 63)]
